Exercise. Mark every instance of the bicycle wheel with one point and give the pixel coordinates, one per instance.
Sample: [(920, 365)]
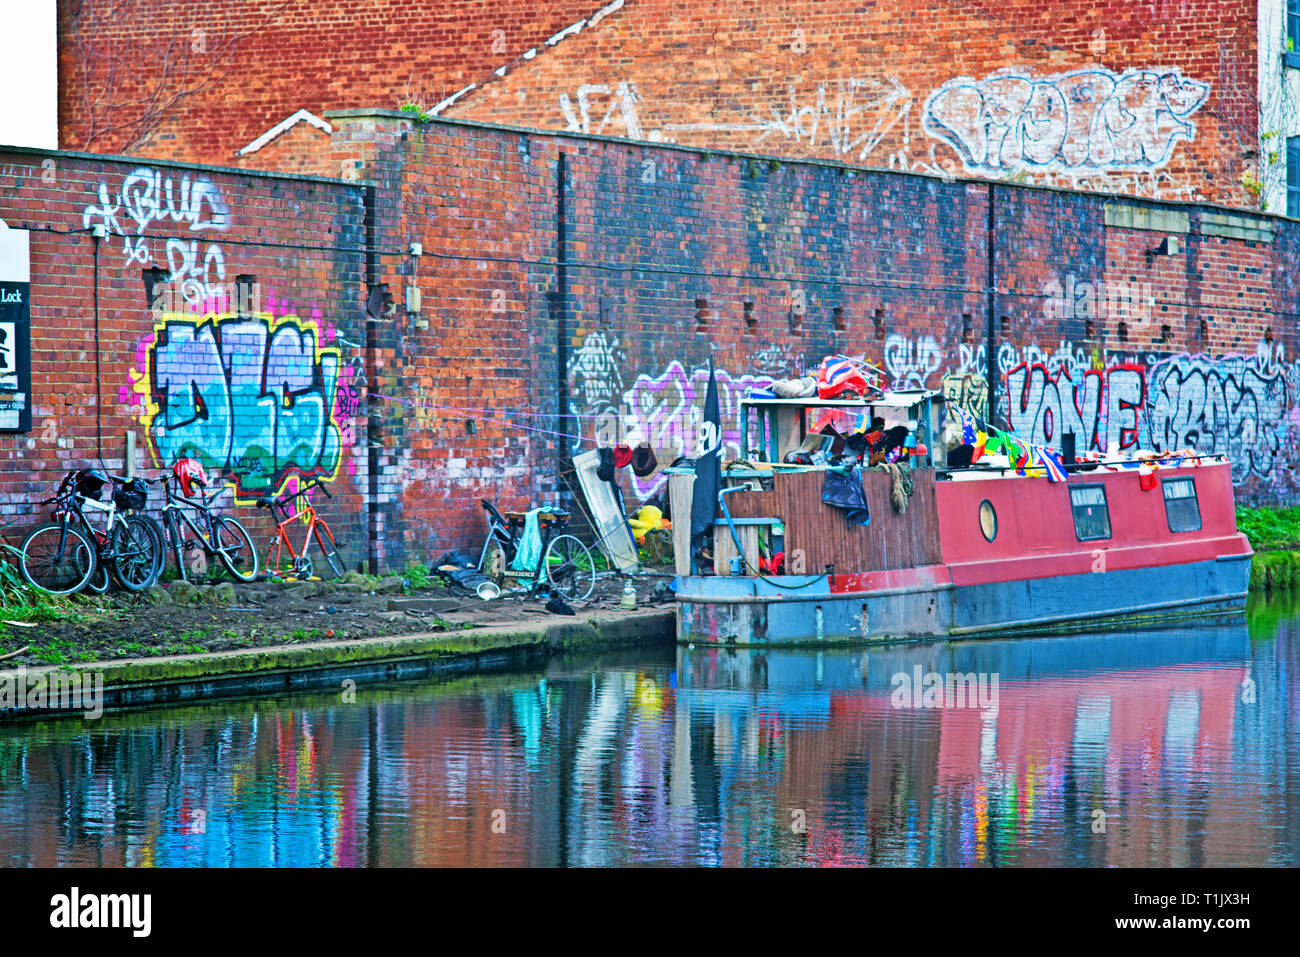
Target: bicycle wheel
[(57, 559), (172, 533), (99, 582), (570, 568), (160, 545), (134, 553), (234, 546), (325, 539)]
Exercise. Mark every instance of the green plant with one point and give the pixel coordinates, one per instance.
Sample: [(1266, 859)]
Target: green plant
[(420, 114), (417, 577), (1270, 528), (1255, 186)]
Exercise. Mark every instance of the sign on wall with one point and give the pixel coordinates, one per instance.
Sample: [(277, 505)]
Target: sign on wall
[(15, 330)]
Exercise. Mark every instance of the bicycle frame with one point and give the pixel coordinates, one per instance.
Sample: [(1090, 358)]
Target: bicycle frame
[(500, 534), (282, 539), (304, 512), (174, 505), (541, 573)]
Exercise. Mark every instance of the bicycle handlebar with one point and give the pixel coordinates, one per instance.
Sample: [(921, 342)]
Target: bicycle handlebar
[(305, 486)]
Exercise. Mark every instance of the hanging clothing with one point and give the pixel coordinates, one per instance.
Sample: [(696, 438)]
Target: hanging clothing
[(845, 491), (529, 555), (900, 487)]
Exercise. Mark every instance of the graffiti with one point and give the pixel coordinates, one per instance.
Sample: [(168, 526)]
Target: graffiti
[(253, 399), (1086, 120), (968, 390), (911, 363), (620, 106), (972, 359), (1102, 408), (667, 412), (595, 371), (847, 116), (1234, 405), (778, 358), (146, 197)]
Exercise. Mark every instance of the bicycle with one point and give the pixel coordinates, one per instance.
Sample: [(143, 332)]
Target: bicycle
[(317, 527), (62, 558), (222, 537), (565, 567)]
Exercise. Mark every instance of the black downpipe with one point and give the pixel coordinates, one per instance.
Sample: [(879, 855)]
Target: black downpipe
[(374, 426), (562, 311), (991, 337), (99, 382)]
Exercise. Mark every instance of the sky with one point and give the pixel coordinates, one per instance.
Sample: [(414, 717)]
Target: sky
[(29, 75)]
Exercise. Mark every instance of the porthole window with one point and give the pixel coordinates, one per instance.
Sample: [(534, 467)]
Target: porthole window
[(988, 521)]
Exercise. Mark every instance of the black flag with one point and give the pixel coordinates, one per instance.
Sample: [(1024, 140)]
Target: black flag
[(704, 502)]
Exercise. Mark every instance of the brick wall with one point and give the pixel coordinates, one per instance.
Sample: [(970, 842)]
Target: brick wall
[(196, 80), (257, 399), (1133, 323), (964, 88), (1097, 328)]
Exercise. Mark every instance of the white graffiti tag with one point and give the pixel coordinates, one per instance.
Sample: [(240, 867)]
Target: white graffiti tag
[(146, 197), (1084, 121), (910, 363), (1233, 405)]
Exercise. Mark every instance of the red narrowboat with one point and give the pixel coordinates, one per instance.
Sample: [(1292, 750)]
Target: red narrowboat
[(979, 550)]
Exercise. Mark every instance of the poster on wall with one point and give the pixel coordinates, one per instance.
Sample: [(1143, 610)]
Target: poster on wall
[(15, 330)]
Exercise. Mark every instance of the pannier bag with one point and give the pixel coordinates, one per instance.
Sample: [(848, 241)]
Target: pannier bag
[(133, 494)]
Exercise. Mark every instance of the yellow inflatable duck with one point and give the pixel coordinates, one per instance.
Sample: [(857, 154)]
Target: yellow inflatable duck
[(647, 519)]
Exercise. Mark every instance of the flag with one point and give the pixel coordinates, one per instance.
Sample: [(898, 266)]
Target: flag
[(838, 374), (969, 429), (704, 501), (1053, 463)]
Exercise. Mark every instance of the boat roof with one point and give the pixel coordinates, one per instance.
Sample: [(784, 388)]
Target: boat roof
[(893, 399)]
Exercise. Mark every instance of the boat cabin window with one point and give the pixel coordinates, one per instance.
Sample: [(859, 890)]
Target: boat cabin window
[(988, 520), (1091, 516), (1181, 507)]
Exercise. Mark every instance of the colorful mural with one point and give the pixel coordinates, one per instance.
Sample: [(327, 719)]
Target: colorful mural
[(256, 399)]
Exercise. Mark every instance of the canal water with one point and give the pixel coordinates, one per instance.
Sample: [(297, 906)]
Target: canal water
[(1170, 747)]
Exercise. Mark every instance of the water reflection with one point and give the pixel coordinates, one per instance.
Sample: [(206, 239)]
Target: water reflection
[(1152, 748)]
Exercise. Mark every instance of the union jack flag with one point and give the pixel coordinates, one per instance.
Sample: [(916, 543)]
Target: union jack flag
[(1053, 463), (835, 371), (969, 429)]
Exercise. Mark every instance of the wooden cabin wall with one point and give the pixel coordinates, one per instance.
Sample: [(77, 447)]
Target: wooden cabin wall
[(823, 534)]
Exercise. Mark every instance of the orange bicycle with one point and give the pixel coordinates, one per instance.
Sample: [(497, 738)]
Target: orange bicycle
[(317, 528)]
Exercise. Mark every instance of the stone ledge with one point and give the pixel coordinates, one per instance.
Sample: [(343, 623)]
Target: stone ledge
[(1234, 226), (1156, 219)]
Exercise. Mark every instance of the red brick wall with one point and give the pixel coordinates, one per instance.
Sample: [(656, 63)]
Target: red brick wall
[(275, 390), (499, 378), (220, 73), (903, 260), (844, 81)]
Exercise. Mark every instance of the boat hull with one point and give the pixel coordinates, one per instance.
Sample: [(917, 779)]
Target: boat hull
[(923, 604)]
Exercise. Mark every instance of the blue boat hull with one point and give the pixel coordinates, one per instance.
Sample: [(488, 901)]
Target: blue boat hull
[(750, 611)]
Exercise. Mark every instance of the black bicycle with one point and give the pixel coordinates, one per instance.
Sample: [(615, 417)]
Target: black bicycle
[(64, 556), (220, 536)]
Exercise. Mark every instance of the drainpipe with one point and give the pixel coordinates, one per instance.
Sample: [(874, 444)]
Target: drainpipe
[(563, 448), (374, 425), (991, 336)]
